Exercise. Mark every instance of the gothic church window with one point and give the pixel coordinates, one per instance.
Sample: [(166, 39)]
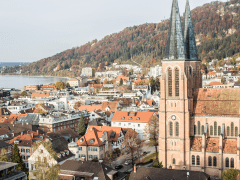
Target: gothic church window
[(171, 128), (227, 162), (195, 129), (198, 160), (219, 130), (232, 163), (176, 82), (211, 130), (199, 127), (236, 131), (232, 128), (174, 161), (169, 82), (214, 161), (202, 129), (177, 129), (215, 128), (193, 160), (209, 161), (228, 131)]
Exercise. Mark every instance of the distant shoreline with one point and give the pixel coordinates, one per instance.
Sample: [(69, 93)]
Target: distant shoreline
[(34, 76)]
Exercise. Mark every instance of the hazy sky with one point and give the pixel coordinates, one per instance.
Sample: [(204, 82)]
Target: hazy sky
[(34, 29)]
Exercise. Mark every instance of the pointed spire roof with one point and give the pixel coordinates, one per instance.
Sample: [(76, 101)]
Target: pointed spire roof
[(189, 37), (175, 49)]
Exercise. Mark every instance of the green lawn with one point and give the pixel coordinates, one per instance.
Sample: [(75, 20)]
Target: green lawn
[(150, 156)]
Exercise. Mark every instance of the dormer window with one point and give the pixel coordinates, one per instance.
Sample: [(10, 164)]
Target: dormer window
[(130, 118), (92, 140), (81, 140), (123, 117), (138, 118)]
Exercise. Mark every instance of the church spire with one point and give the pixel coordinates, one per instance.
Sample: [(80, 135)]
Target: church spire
[(189, 38), (175, 49)]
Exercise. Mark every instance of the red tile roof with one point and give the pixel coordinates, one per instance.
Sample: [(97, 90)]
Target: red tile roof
[(124, 78), (126, 116), (40, 94), (196, 144), (212, 145), (90, 107), (111, 104), (216, 102), (215, 83), (230, 146)]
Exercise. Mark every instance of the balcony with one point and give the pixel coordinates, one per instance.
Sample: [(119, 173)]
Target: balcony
[(15, 174)]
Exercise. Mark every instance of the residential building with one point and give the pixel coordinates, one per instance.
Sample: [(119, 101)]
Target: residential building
[(48, 88), (87, 72), (59, 145), (88, 170), (74, 82), (9, 172), (16, 106), (155, 71), (58, 121), (135, 120), (199, 128), (141, 173), (216, 85), (96, 141), (25, 142), (124, 79), (31, 88)]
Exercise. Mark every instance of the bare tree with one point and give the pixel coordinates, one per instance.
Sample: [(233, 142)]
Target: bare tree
[(130, 142), (77, 105), (152, 129)]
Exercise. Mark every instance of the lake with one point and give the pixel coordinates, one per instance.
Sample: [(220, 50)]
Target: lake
[(21, 81)]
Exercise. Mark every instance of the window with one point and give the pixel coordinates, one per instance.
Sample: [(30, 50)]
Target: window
[(138, 125), (219, 130), (170, 128), (227, 162), (129, 124), (232, 163), (177, 129), (211, 130), (202, 129), (80, 148), (174, 161), (169, 82), (22, 150), (193, 160), (176, 82), (209, 161), (199, 126), (215, 128), (90, 156), (195, 129), (214, 161), (232, 128), (236, 131), (228, 131), (198, 160), (28, 150)]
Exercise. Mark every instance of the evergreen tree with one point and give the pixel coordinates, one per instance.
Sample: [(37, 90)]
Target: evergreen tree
[(81, 126), (16, 158), (121, 81)]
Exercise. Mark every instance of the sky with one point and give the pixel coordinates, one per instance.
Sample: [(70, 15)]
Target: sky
[(31, 30)]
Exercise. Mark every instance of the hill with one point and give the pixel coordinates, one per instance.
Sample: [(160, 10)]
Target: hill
[(217, 30)]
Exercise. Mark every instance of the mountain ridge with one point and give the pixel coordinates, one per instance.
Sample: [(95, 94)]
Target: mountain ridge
[(217, 32)]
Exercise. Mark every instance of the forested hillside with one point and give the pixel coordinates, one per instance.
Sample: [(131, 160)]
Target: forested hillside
[(216, 25)]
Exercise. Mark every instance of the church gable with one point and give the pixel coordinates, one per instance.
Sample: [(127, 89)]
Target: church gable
[(216, 102)]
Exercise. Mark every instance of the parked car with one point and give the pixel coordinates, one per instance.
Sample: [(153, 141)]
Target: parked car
[(127, 162), (119, 166)]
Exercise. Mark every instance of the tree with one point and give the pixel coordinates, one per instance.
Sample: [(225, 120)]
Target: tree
[(109, 157), (67, 85), (16, 158), (77, 105), (81, 125), (230, 174), (43, 169), (60, 85), (130, 142), (152, 129), (24, 93), (41, 109), (16, 95), (4, 156), (121, 81)]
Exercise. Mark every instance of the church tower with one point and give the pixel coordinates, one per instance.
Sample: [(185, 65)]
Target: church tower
[(180, 75)]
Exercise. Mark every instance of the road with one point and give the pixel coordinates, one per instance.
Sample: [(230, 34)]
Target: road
[(123, 158)]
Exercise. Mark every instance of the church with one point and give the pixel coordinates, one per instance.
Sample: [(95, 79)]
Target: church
[(199, 128)]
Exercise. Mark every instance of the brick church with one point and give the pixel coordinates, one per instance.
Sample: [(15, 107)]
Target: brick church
[(199, 128)]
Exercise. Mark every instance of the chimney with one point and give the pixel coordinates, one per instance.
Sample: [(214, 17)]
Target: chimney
[(135, 168), (32, 135), (83, 159), (27, 132), (21, 133), (37, 132)]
